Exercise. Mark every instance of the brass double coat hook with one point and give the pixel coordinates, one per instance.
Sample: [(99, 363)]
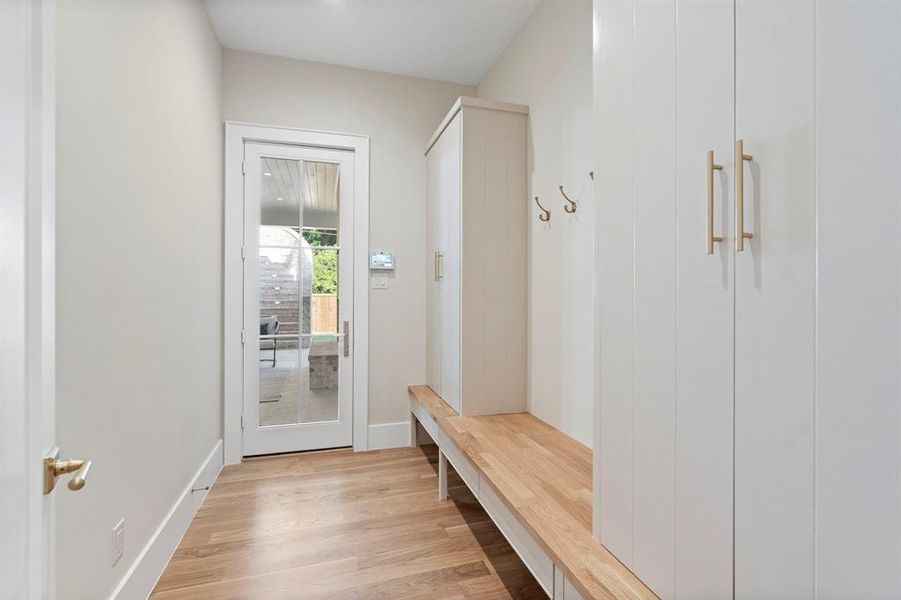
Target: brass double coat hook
[(570, 207)]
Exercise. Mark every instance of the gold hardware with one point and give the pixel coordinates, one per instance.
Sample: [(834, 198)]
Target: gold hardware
[(53, 468), (437, 276), (571, 207), (546, 214), (346, 338), (439, 266), (740, 158), (711, 167)]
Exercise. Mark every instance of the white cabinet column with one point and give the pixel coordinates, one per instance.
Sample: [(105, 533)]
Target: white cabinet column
[(477, 223)]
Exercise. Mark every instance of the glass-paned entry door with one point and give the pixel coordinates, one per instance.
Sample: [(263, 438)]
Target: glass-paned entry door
[(297, 298)]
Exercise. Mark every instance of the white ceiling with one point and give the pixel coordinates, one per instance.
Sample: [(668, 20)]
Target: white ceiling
[(447, 40)]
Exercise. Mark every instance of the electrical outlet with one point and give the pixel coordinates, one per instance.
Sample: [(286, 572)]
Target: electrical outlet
[(379, 282), (117, 542)]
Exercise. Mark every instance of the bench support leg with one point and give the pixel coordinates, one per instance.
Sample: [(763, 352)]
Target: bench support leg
[(414, 441), (442, 476)]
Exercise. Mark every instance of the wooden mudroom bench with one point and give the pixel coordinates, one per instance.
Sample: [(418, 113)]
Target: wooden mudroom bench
[(535, 483)]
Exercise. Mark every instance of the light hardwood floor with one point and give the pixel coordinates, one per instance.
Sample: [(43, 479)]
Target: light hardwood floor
[(337, 525)]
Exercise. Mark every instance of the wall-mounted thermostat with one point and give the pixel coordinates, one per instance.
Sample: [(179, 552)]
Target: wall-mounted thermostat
[(381, 261)]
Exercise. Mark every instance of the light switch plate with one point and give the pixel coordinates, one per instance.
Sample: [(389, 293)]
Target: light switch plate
[(117, 542), (380, 282)]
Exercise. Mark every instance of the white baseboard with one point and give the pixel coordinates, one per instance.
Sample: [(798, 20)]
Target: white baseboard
[(143, 574), (389, 435)]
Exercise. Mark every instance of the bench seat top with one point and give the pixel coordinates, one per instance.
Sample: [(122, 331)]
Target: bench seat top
[(543, 476)]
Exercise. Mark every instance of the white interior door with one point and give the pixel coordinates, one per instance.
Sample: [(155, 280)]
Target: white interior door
[(298, 298), (26, 298)]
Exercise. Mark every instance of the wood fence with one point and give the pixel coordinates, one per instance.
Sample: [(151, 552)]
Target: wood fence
[(324, 313)]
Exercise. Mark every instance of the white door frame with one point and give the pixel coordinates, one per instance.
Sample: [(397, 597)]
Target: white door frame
[(27, 310), (236, 134)]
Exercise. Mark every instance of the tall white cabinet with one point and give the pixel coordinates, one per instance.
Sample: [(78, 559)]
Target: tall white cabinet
[(476, 213), (749, 425)]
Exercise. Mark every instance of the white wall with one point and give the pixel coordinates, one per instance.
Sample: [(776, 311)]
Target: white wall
[(548, 66), (139, 310), (399, 114)]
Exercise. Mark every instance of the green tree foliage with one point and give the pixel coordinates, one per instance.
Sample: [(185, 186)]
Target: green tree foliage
[(325, 262), (325, 272), (320, 237)]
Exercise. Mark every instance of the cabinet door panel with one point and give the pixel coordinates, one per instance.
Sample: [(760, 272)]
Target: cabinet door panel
[(654, 361), (433, 285), (774, 301), (442, 295), (450, 262), (858, 357), (704, 303), (613, 118)]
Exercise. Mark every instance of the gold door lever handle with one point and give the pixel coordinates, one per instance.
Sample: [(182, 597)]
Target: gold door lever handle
[(81, 475), (53, 468), (740, 158)]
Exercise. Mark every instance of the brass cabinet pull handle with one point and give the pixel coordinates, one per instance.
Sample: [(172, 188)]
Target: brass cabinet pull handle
[(435, 266), (439, 264), (740, 158), (711, 167)]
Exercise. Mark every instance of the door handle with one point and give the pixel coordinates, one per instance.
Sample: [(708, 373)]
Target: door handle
[(439, 260), (711, 167), (346, 338), (54, 467), (740, 158)]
